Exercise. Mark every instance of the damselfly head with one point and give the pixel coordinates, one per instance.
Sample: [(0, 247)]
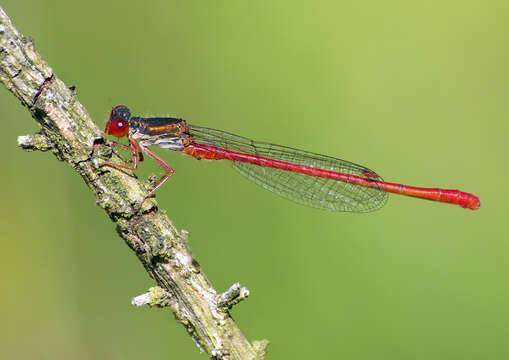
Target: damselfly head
[(118, 123)]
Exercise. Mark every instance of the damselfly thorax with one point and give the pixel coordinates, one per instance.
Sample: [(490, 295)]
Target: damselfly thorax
[(167, 133)]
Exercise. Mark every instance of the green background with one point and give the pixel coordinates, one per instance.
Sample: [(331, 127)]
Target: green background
[(417, 91)]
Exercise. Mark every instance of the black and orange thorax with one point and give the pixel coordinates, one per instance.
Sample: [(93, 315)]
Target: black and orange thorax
[(169, 133)]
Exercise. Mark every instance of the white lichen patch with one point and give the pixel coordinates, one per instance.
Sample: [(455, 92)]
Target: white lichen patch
[(25, 141), (141, 300)]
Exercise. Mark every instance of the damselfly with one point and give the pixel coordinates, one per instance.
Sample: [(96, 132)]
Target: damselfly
[(311, 179)]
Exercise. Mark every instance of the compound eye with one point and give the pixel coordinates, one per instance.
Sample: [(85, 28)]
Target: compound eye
[(117, 127), (121, 127)]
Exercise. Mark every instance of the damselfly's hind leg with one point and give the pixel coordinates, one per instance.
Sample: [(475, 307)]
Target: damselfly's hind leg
[(168, 173)]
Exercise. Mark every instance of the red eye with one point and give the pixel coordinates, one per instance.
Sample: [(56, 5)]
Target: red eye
[(117, 127)]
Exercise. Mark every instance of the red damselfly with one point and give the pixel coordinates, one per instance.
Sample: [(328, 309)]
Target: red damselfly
[(311, 179)]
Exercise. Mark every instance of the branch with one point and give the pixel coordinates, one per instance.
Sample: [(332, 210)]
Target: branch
[(68, 131)]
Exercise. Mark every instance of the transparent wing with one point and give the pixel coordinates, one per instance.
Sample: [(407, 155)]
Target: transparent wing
[(313, 191)]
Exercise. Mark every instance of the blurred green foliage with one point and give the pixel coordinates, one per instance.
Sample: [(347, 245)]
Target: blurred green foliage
[(417, 91)]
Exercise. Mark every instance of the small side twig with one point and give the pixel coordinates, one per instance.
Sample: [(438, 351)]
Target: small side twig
[(235, 294), (156, 296), (35, 142)]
